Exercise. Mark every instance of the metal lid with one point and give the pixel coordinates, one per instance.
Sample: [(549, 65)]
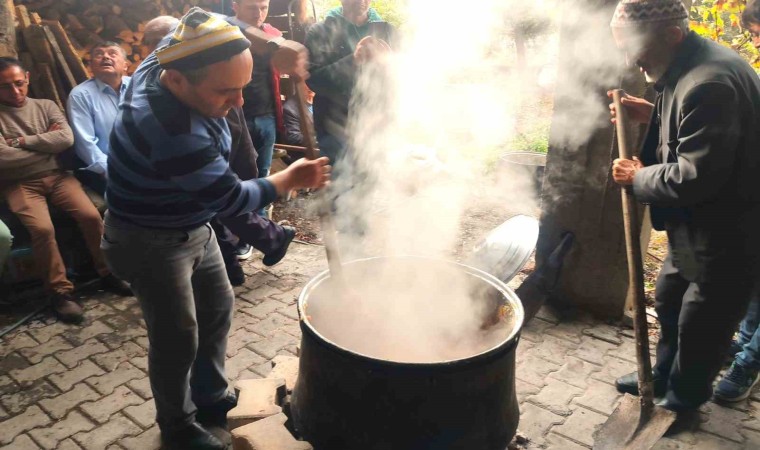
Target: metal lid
[(507, 248)]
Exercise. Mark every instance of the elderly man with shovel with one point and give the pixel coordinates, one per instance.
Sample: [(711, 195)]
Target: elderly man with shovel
[(699, 173)]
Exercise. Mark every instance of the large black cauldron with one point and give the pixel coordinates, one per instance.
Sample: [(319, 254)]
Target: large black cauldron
[(347, 401)]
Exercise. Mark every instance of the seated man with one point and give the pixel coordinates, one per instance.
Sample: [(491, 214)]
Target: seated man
[(92, 108), (292, 118), (34, 133)]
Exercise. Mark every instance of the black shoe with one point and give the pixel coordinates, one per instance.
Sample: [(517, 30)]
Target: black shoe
[(629, 384), (116, 286), (733, 350), (192, 437), (216, 414), (66, 308), (276, 256), (235, 273)]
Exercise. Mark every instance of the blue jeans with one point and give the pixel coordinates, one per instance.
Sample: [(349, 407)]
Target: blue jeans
[(749, 336), (263, 131)]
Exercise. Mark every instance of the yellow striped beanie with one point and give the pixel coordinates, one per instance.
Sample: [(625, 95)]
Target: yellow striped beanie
[(200, 40)]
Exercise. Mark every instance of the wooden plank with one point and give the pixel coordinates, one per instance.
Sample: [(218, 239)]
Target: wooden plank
[(35, 18), (7, 31), (47, 84), (63, 66), (70, 52), (39, 47), (22, 15)]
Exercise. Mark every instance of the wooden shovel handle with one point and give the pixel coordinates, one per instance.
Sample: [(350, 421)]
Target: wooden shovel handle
[(635, 263), (328, 227)]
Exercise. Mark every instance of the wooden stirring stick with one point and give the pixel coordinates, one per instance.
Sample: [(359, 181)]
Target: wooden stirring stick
[(325, 215)]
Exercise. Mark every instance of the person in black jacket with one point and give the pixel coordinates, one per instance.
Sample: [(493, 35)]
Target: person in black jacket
[(292, 118), (698, 171), (350, 36)]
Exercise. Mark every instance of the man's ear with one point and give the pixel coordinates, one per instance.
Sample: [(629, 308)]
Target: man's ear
[(173, 78), (674, 35)]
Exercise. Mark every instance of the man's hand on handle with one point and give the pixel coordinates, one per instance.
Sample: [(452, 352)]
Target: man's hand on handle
[(639, 110), (623, 170), (302, 174)]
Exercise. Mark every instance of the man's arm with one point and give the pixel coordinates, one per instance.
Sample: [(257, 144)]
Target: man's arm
[(56, 141), (200, 170), (328, 76), (85, 140), (14, 158), (707, 138)]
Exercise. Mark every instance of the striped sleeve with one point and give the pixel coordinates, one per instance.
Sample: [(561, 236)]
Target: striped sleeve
[(194, 163)]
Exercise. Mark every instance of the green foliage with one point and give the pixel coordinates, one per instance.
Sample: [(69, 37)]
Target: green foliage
[(720, 20), (390, 10)]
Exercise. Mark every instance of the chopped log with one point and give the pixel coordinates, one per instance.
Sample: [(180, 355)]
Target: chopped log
[(60, 60), (113, 26), (7, 31), (47, 84), (22, 14), (92, 23), (35, 18), (73, 23), (69, 51)]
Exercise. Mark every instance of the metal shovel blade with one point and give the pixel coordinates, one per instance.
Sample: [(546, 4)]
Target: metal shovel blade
[(633, 426)]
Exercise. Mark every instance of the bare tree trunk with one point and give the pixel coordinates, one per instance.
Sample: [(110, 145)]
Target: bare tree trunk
[(7, 29)]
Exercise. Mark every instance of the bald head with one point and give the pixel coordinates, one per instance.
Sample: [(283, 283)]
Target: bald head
[(157, 28)]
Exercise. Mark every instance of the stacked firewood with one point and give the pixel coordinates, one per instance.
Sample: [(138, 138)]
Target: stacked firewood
[(45, 50), (90, 22), (55, 36)]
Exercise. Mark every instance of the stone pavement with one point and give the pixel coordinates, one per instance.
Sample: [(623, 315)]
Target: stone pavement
[(86, 387)]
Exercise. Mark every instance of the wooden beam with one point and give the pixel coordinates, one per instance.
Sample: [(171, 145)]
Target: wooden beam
[(63, 66), (7, 30), (22, 15), (47, 84), (70, 52), (38, 45)]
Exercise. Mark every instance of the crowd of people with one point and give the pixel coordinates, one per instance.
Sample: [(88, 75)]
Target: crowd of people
[(182, 152)]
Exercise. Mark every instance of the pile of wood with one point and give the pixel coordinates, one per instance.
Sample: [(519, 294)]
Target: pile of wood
[(90, 22), (45, 50), (54, 37)]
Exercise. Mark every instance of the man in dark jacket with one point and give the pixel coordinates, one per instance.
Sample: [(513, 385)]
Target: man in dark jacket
[(698, 171), (350, 36), (292, 118)]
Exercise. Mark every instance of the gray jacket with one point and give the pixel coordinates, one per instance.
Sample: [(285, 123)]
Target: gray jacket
[(702, 158)]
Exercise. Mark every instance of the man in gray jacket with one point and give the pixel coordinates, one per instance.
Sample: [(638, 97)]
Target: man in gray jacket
[(699, 172)]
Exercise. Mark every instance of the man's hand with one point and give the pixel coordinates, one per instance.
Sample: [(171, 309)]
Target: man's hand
[(54, 127), (639, 110), (21, 142), (623, 170), (369, 49), (302, 174), (292, 58)]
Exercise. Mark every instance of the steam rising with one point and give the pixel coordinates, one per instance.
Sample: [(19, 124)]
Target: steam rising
[(428, 124)]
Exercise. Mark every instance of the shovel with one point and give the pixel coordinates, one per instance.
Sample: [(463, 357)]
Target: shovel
[(636, 424), (326, 220)]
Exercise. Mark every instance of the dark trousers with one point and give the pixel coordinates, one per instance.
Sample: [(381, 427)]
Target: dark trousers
[(92, 180), (697, 323), (252, 229)]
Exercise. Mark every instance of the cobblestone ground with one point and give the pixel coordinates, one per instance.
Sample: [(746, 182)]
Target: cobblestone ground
[(86, 387)]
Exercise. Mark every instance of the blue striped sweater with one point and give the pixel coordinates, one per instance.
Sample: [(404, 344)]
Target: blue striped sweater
[(168, 165)]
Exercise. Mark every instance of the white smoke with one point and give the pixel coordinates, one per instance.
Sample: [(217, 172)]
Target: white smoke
[(425, 124)]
